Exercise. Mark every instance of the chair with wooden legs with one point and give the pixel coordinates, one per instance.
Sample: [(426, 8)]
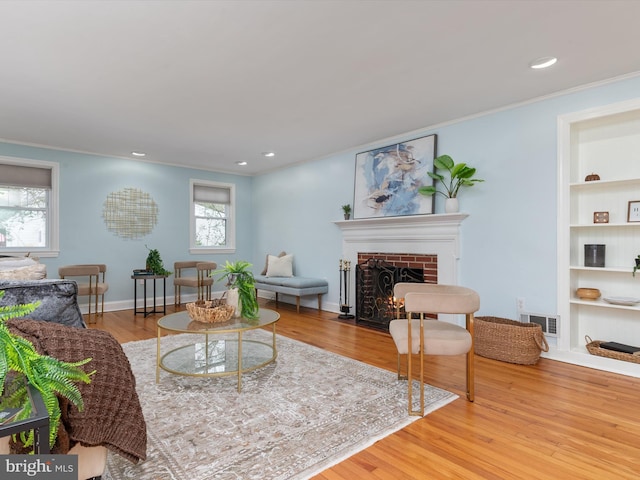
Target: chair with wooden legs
[(86, 277), (433, 337), (193, 274)]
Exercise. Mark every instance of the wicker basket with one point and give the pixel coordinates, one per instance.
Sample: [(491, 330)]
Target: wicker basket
[(210, 311), (508, 340), (593, 347)]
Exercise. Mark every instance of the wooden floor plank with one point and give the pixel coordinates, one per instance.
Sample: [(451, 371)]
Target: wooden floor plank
[(548, 421)]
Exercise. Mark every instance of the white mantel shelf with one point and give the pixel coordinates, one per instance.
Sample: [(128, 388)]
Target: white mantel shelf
[(406, 221), (437, 234)]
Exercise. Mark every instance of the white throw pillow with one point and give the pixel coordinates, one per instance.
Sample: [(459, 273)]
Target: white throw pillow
[(280, 266)]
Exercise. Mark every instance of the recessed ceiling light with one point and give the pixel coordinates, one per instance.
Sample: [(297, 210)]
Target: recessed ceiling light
[(241, 163), (543, 62), (269, 154), (138, 154)]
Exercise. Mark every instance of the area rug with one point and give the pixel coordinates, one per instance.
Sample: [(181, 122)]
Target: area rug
[(305, 412)]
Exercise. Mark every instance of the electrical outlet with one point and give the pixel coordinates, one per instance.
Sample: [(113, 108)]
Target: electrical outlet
[(520, 304)]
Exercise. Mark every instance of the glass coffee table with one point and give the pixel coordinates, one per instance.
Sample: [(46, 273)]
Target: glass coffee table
[(215, 356)]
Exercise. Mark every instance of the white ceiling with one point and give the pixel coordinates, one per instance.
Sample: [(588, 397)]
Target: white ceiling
[(210, 83)]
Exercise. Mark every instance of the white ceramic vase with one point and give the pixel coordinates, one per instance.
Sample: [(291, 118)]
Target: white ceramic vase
[(233, 299), (451, 205)]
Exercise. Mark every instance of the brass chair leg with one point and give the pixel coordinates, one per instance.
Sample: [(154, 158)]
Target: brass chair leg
[(409, 365), (400, 376), (419, 412), (470, 361)]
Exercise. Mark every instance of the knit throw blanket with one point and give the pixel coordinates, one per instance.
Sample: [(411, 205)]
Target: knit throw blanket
[(112, 415)]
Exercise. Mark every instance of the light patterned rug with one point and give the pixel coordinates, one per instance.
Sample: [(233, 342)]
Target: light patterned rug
[(305, 412)]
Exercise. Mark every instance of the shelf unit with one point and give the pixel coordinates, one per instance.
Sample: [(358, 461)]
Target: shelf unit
[(603, 141)]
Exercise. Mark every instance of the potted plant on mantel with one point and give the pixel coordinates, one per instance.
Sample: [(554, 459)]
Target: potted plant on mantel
[(21, 364), (460, 175), (240, 277), (346, 209), (636, 267)]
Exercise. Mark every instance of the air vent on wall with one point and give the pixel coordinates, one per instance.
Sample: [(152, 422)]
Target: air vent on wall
[(550, 324)]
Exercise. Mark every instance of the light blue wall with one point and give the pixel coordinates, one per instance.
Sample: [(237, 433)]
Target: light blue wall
[(85, 182), (509, 240)]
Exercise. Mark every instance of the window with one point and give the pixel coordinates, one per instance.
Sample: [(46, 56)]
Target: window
[(28, 207), (212, 217)]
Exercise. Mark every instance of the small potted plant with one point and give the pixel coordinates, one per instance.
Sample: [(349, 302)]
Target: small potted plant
[(154, 263), (240, 277), (347, 211), (637, 265), (460, 175)]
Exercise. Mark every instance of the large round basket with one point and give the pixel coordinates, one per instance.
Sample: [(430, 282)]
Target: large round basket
[(508, 340), (210, 311)]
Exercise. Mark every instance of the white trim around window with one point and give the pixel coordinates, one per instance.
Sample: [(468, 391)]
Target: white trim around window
[(53, 228), (218, 190)]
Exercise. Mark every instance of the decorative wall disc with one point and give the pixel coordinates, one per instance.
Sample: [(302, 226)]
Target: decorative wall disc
[(130, 213)]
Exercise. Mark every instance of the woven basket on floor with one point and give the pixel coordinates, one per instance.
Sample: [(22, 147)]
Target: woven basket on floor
[(210, 311), (508, 340), (593, 347)]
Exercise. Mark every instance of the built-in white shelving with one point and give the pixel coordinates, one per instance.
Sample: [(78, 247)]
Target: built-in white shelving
[(603, 141)]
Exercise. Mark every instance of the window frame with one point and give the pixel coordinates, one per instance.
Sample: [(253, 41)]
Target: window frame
[(230, 246), (53, 210)]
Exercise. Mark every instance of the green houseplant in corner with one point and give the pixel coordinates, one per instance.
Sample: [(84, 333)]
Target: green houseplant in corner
[(460, 175), (239, 276), (20, 364)]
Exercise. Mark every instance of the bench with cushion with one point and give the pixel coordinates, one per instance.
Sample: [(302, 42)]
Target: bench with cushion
[(297, 286), (278, 277)]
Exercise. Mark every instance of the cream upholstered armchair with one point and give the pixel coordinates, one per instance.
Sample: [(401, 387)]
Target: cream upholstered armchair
[(91, 280), (193, 274), (433, 337)]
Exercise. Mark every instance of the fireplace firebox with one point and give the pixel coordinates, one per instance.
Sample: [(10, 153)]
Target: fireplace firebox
[(375, 279)]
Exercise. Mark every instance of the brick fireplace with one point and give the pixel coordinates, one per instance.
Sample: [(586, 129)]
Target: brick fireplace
[(430, 242), (376, 275)]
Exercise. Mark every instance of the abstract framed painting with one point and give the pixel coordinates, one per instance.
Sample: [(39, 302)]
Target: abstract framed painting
[(387, 179)]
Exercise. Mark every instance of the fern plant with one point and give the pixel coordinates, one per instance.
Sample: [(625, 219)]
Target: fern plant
[(20, 361), (239, 275)]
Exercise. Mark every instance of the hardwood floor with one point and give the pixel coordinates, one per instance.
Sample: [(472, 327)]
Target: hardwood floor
[(548, 421)]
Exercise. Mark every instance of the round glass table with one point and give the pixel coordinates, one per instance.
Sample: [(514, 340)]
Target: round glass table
[(215, 356)]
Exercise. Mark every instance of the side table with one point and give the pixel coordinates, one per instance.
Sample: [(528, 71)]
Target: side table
[(145, 278), (38, 422)]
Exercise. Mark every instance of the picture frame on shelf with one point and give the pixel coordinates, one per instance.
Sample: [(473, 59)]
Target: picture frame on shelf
[(633, 212), (387, 179)]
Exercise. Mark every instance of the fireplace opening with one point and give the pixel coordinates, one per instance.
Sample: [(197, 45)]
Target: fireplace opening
[(375, 279)]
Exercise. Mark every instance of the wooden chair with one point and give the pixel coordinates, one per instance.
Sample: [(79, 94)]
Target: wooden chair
[(433, 337), (193, 274)]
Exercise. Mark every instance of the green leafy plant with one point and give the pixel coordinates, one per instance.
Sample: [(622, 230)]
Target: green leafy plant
[(154, 263), (460, 175), (239, 275), (637, 265), (346, 209), (20, 362)]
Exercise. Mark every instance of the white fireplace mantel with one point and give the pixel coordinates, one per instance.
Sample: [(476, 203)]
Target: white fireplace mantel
[(437, 234)]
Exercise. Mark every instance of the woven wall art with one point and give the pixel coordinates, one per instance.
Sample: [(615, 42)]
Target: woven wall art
[(130, 213)]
